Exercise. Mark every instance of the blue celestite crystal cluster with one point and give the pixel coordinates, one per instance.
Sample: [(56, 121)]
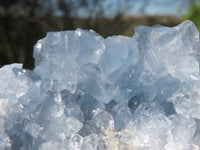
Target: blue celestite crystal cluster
[(89, 93)]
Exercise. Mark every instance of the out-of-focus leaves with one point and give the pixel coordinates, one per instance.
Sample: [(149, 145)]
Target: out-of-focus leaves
[(193, 12)]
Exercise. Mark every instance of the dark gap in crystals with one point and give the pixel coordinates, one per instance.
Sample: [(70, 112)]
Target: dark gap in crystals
[(110, 105), (168, 108), (67, 97), (134, 102), (87, 129)]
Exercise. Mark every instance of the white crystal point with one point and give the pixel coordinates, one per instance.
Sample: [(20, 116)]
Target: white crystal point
[(90, 142), (51, 145), (169, 50), (183, 129), (186, 100), (73, 49)]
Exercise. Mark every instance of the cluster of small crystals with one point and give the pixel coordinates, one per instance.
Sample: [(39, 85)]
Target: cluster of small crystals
[(118, 93)]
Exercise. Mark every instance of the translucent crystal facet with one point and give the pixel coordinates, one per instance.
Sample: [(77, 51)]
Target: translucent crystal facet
[(91, 93)]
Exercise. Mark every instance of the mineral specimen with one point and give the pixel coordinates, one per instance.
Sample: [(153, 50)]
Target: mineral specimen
[(89, 93)]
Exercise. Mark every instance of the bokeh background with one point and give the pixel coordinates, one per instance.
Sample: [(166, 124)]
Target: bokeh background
[(23, 22)]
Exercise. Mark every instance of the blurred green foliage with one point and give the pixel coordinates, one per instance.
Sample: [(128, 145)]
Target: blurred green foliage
[(193, 13)]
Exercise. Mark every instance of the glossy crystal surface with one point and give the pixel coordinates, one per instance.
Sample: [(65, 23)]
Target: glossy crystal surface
[(91, 93)]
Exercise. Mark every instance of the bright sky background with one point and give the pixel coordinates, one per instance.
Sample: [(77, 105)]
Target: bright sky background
[(153, 7), (161, 7), (168, 7)]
